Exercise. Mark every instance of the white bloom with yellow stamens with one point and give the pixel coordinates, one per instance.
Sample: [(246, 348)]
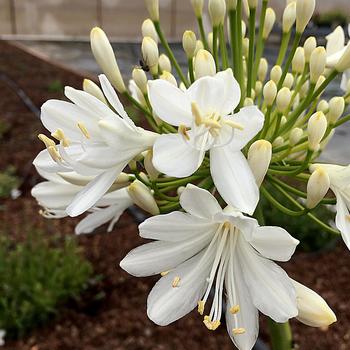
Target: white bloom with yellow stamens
[(204, 115), (206, 249)]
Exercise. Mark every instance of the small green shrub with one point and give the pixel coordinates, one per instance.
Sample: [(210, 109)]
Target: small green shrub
[(55, 86), (8, 182), (37, 276)]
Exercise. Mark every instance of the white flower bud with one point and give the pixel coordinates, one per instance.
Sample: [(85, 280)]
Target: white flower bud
[(304, 89), (217, 10), (344, 62), (210, 41), (231, 4), (153, 9), (148, 29), (142, 196), (197, 7), (278, 141), (199, 46), (317, 187), (147, 162), (93, 89), (319, 82), (204, 64), (323, 106), (312, 308), (150, 53), (270, 92), (276, 73), (140, 79), (168, 77), (289, 16), (189, 43), (252, 4), (258, 87), (244, 29), (262, 70), (105, 58), (269, 22), (295, 136), (245, 47), (283, 99), (283, 120), (336, 109), (298, 62), (317, 63), (259, 158), (248, 101), (288, 81), (316, 128), (309, 46), (304, 12), (164, 63)]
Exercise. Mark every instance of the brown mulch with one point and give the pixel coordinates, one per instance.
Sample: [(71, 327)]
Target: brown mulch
[(119, 320)]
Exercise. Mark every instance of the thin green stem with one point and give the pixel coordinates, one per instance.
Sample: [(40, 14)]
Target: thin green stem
[(283, 47), (252, 15), (202, 32), (239, 49), (342, 121), (234, 49), (215, 47), (223, 47), (190, 69)]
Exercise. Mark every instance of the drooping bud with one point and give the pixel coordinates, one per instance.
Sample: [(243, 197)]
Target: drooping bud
[(142, 196), (189, 43), (217, 10), (164, 63), (276, 73), (153, 9), (317, 63), (105, 58), (204, 64), (289, 16), (309, 46), (283, 99), (148, 29), (270, 92), (269, 22), (317, 187), (336, 109), (168, 77), (298, 62), (140, 79), (304, 12), (263, 67), (344, 62), (150, 53), (259, 158), (323, 106), (197, 7), (316, 129), (312, 308), (295, 136), (288, 81), (231, 4), (93, 89)]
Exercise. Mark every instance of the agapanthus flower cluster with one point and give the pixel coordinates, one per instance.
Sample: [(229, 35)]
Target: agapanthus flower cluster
[(215, 139)]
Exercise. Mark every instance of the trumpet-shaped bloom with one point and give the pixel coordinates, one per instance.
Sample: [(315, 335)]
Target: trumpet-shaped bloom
[(206, 249), (339, 177), (95, 140), (204, 115)]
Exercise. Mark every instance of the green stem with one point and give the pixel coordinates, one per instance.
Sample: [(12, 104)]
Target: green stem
[(342, 121), (202, 32), (281, 335), (190, 69), (283, 47), (234, 50), (223, 47), (239, 49), (251, 50), (215, 47), (267, 122)]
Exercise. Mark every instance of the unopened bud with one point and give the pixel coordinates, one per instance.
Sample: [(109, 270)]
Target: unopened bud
[(197, 7), (259, 158), (263, 67), (283, 99), (210, 38), (298, 62), (289, 16), (217, 10), (304, 12), (150, 53), (304, 89), (245, 47), (231, 4), (316, 129), (323, 106), (164, 63), (336, 109), (317, 63), (288, 81), (309, 46), (168, 77), (142, 196), (148, 29), (248, 101), (312, 308), (295, 136), (319, 82), (258, 87), (153, 9), (279, 141), (252, 4), (189, 43), (317, 187), (344, 62), (244, 29), (204, 64), (270, 92), (199, 46), (276, 73), (140, 79), (269, 22), (150, 169), (105, 58), (93, 89)]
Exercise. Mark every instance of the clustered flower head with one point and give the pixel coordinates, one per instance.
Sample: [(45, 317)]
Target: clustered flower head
[(215, 138)]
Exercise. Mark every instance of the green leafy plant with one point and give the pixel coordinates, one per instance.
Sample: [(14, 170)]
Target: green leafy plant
[(37, 276), (8, 181)]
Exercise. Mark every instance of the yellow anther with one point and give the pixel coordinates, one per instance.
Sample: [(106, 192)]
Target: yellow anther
[(211, 123), (46, 140), (176, 281), (196, 113), (59, 135), (183, 131), (54, 153), (83, 129), (233, 124), (211, 325), (234, 309), (201, 305), (237, 331), (164, 273), (227, 225)]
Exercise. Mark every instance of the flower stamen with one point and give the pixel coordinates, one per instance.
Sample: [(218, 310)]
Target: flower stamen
[(59, 135), (233, 124), (196, 113), (237, 331), (183, 131), (176, 281), (46, 140), (84, 130)]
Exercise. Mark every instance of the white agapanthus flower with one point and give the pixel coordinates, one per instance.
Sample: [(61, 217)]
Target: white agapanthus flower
[(339, 177), (204, 116), (209, 248), (94, 141)]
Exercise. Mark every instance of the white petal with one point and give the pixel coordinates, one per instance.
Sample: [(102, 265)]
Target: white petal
[(335, 41), (166, 304), (234, 179), (156, 257), (174, 227), (174, 157), (170, 103), (345, 80), (44, 162), (91, 193), (342, 219), (199, 202), (270, 287), (252, 121), (274, 243)]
